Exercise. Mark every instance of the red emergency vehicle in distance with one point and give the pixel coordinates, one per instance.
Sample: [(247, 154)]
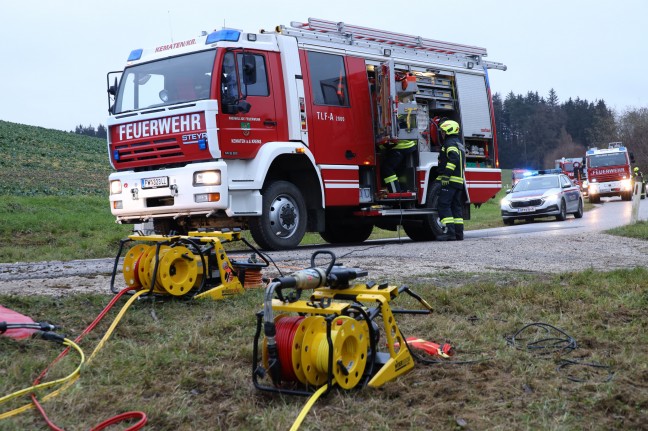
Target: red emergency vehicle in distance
[(572, 167), (518, 174), (278, 131), (609, 172)]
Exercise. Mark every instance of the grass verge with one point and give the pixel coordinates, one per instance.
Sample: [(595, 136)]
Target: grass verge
[(39, 228), (187, 364)]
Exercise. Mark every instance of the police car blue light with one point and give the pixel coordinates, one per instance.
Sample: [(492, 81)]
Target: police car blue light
[(225, 35)]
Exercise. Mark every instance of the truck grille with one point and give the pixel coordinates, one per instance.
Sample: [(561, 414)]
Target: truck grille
[(529, 203), (156, 151), (609, 177)]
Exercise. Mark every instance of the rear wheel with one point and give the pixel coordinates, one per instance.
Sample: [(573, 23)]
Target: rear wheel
[(563, 211), (579, 211), (282, 224), (428, 227)]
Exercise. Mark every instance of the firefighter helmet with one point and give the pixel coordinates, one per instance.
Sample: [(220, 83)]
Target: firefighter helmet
[(450, 127), (636, 169)]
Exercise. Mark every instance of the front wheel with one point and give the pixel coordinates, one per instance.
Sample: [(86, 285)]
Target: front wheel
[(428, 227), (579, 211), (282, 224), (563, 211)]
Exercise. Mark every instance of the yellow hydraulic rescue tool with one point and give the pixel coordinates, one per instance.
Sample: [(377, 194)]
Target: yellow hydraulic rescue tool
[(194, 265), (332, 337)]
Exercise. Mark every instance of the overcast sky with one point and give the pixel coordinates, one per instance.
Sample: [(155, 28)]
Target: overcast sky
[(54, 54)]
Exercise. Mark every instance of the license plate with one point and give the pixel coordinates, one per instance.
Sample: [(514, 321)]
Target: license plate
[(151, 183), (526, 210)]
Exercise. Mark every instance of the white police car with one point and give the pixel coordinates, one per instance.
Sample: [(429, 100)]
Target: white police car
[(541, 195)]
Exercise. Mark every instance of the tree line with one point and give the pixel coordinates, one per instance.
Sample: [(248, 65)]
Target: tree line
[(534, 131), (99, 132)]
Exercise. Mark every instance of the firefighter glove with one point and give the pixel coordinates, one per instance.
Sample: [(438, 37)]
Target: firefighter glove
[(445, 180)]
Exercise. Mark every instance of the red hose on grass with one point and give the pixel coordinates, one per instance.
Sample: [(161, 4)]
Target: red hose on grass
[(114, 420)]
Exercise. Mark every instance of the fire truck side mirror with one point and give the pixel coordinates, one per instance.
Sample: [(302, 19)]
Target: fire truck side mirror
[(632, 159), (249, 69), (240, 106), (243, 106)]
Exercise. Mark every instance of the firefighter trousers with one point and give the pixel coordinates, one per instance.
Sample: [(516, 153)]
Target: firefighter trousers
[(393, 164), (451, 212)]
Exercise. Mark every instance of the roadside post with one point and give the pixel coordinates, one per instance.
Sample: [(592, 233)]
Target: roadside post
[(636, 196)]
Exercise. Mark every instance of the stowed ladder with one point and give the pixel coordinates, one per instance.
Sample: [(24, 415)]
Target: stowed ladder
[(385, 42)]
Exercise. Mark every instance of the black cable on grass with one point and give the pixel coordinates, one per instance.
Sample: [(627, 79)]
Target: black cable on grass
[(569, 363), (556, 341)]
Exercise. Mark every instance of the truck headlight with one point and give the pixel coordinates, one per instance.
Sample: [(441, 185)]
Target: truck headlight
[(207, 178), (115, 187), (626, 184)]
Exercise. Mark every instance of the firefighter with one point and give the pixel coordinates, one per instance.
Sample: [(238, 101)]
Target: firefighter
[(451, 177), (394, 156), (639, 178)]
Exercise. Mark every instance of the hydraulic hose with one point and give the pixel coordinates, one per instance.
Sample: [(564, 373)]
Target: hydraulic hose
[(67, 381), (69, 378), (304, 411)]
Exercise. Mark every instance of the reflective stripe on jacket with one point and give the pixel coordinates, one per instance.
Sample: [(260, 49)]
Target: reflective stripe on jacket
[(451, 161), (399, 145)]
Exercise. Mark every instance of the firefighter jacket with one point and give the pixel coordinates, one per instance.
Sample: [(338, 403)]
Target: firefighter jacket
[(451, 161)]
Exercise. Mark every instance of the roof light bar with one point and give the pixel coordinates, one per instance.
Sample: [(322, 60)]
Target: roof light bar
[(224, 35)]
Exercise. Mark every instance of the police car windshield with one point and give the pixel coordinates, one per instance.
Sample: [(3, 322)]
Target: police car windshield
[(537, 183), (602, 160), (164, 82)]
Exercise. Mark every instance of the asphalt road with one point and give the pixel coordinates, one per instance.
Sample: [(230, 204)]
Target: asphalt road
[(610, 213)]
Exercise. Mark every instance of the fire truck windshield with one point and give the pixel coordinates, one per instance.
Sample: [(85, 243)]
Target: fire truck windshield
[(568, 167), (612, 159), (166, 82)]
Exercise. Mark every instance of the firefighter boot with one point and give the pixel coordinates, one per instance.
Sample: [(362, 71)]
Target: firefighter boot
[(449, 235), (459, 231), (393, 186)]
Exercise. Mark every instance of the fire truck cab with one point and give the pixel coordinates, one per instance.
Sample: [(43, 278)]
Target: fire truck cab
[(279, 132), (608, 172)]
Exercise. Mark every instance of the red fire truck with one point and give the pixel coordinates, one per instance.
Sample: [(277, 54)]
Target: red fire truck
[(609, 172), (570, 166), (279, 131)]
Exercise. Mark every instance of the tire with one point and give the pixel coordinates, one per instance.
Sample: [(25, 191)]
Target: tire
[(509, 221), (627, 196), (563, 211), (282, 224), (428, 227), (579, 211), (346, 233), (594, 199)]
